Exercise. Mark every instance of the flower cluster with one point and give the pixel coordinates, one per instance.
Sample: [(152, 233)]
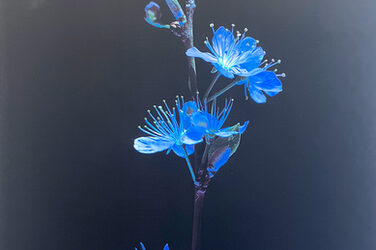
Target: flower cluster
[(239, 56)]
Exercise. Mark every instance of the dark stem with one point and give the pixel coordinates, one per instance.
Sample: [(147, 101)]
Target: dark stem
[(212, 83), (187, 39), (199, 196)]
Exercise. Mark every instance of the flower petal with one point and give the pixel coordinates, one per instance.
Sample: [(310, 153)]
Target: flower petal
[(247, 44), (252, 60), (256, 94), (223, 71), (166, 247), (194, 52), (193, 135), (267, 81), (222, 41), (179, 150), (243, 127), (150, 145)]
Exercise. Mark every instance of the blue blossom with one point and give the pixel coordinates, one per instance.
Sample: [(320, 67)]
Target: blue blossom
[(263, 82), (229, 55), (144, 248), (210, 123), (167, 132)]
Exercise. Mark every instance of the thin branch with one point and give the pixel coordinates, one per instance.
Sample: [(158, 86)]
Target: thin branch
[(220, 92), (189, 165), (217, 75)]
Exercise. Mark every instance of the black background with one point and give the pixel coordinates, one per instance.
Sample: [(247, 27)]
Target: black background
[(78, 76)]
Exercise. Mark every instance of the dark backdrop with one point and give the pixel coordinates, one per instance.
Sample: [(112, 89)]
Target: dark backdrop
[(78, 76)]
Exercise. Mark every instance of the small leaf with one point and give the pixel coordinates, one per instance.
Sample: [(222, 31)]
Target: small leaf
[(221, 148), (153, 14)]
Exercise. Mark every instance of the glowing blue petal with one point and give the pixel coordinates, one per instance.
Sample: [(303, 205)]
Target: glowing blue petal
[(247, 44), (256, 94), (271, 93), (223, 71), (243, 127), (194, 52), (267, 81), (222, 40), (193, 135), (150, 145), (179, 150), (142, 246), (190, 149), (189, 107), (253, 59), (166, 247)]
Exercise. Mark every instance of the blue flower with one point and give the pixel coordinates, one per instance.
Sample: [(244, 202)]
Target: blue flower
[(144, 248), (263, 82), (166, 132), (229, 55), (210, 123)]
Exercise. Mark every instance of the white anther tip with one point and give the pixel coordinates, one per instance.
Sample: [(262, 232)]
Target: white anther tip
[(211, 25), (279, 61), (233, 25), (257, 41), (245, 29)]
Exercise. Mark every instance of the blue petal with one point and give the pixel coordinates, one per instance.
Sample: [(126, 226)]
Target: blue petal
[(190, 149), (247, 44), (267, 81), (243, 127), (193, 135), (194, 52), (189, 107), (222, 41), (253, 59), (271, 93), (142, 246), (256, 94), (223, 71), (150, 145), (166, 247), (179, 150)]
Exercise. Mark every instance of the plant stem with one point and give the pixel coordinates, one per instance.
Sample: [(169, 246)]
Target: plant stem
[(189, 165), (187, 39), (220, 92), (212, 83), (199, 196)]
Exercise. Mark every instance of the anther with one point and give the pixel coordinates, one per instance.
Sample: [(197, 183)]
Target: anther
[(283, 75), (275, 70), (148, 110), (139, 126), (245, 29), (211, 25), (273, 60), (279, 61), (154, 106), (257, 41)]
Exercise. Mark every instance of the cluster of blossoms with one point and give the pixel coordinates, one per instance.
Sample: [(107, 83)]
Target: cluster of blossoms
[(180, 128), (233, 55), (239, 56)]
